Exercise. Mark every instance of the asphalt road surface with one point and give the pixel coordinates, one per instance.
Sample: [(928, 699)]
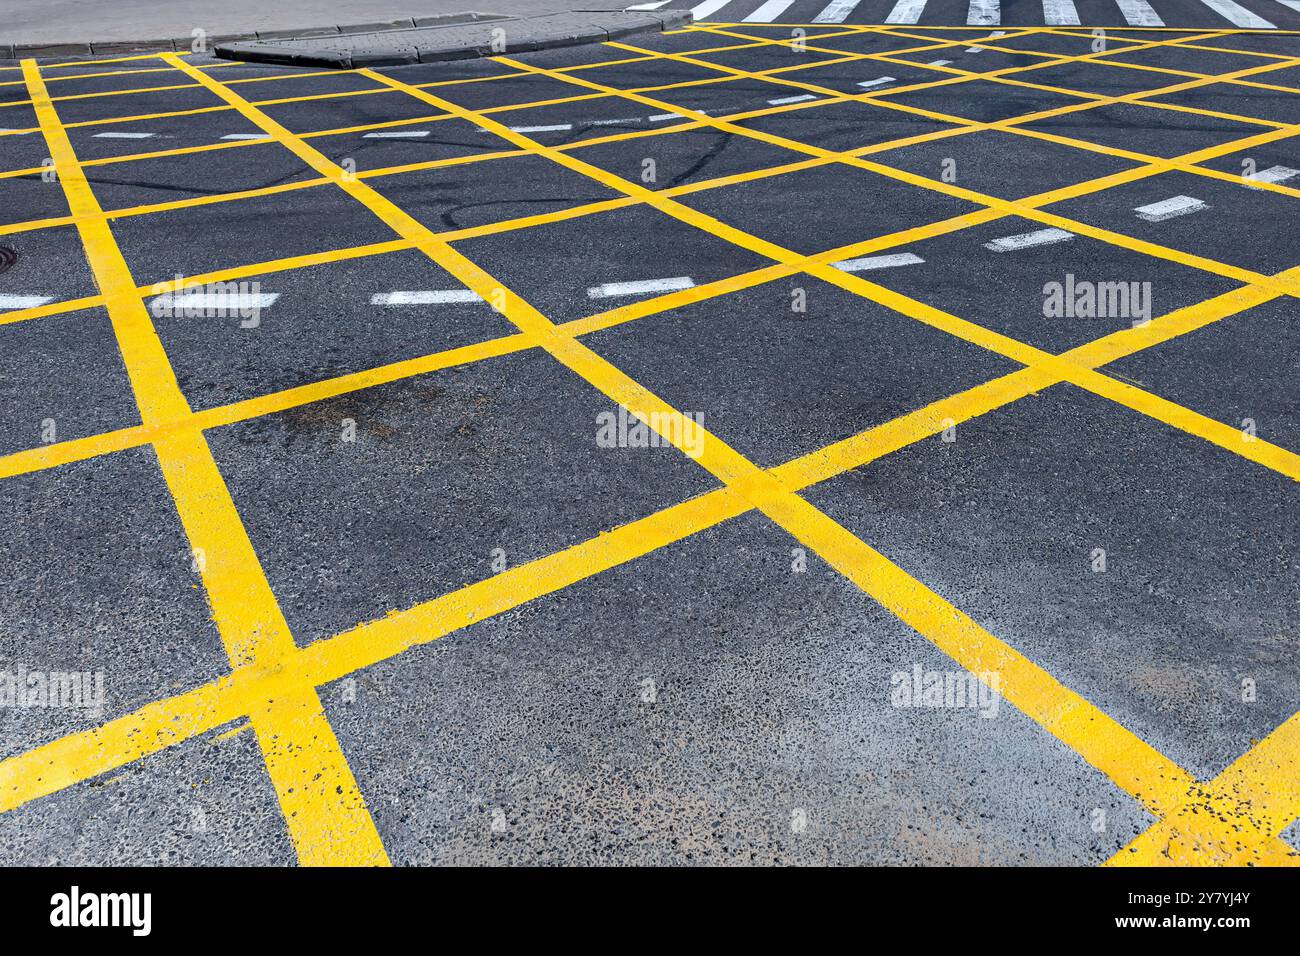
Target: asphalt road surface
[(751, 444)]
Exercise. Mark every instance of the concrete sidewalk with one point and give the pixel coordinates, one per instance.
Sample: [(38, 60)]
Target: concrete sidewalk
[(85, 21)]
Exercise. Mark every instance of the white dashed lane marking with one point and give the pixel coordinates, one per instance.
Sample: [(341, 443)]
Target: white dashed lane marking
[(906, 11), (1238, 15), (1169, 208), (1139, 13), (1275, 174), (425, 297), (10, 302), (123, 135), (837, 11), (247, 136), (879, 262), (984, 13), (878, 81), (1026, 240), (612, 289), (1060, 13), (398, 134), (791, 99), (216, 300)]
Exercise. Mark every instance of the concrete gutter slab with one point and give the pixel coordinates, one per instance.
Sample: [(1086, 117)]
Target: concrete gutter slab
[(456, 41)]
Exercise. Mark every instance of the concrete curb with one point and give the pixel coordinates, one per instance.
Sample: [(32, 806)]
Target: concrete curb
[(445, 41), (18, 51)]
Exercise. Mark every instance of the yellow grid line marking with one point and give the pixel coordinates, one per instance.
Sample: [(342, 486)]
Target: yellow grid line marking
[(915, 604), (324, 810)]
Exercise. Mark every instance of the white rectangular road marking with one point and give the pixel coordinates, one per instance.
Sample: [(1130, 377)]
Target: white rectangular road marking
[(1060, 13), (1139, 13), (8, 302), (878, 81), (984, 13), (123, 135), (425, 297), (558, 127), (1293, 4), (662, 117), (906, 11), (702, 11), (398, 134), (879, 262), (1026, 240), (1169, 208), (215, 301), (611, 289), (837, 11), (247, 136), (1238, 15), (939, 63), (1275, 174), (768, 12), (649, 6), (792, 99)]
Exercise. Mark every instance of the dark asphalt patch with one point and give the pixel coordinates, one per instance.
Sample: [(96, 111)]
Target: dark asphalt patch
[(346, 111), (167, 132), (843, 126), (1008, 291), (1237, 370), (475, 194), (1239, 101), (49, 262), (586, 119), (1284, 152), (1146, 129), (983, 100), (446, 138), (983, 61), (1188, 59), (847, 77), (275, 87), (1001, 164), (511, 91), (1200, 580), (757, 59), (109, 590), (190, 175), (203, 802), (687, 157), (136, 104), (1099, 77), (705, 705), (628, 76), (445, 468), (133, 79), (61, 377), (1063, 45), (724, 95), (322, 325), (1244, 227), (552, 266), (202, 239), (790, 210), (28, 198), (775, 383)]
